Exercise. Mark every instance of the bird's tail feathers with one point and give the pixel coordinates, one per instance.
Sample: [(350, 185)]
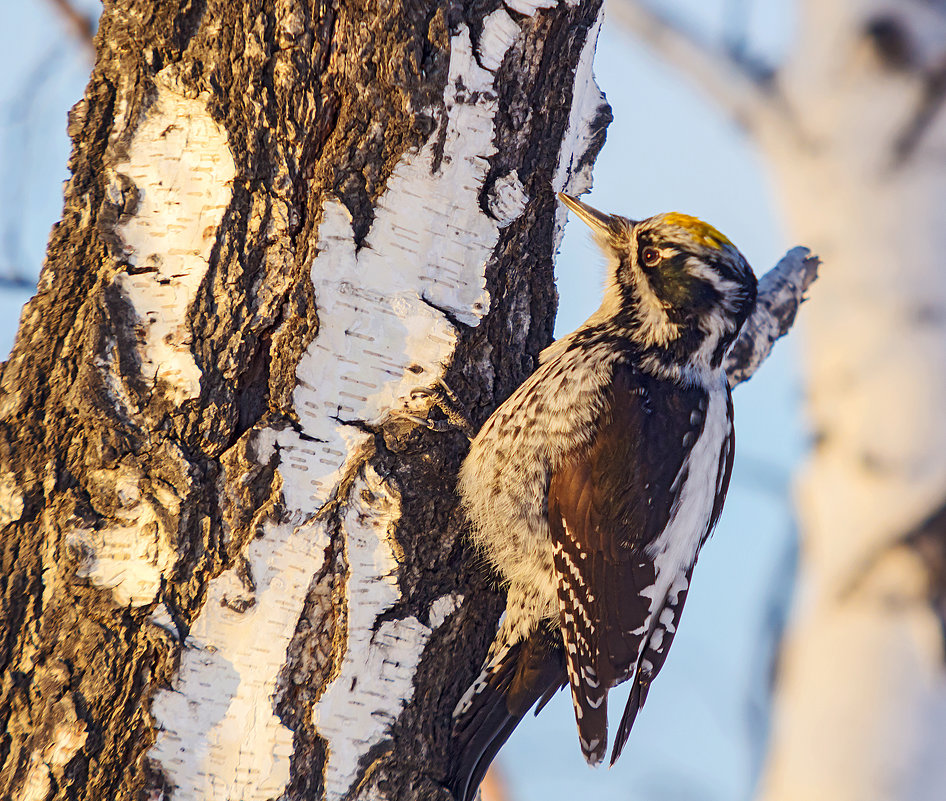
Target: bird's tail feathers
[(510, 683), (634, 703)]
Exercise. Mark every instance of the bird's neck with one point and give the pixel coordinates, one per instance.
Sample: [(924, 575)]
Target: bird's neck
[(693, 372), (694, 358), (687, 362)]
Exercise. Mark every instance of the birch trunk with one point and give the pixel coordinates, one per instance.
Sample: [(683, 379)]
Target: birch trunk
[(861, 695), (232, 568)]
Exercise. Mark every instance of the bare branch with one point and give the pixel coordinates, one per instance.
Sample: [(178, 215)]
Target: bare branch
[(781, 291), (931, 101), (743, 87), (82, 26), (737, 19), (16, 281), (897, 50)]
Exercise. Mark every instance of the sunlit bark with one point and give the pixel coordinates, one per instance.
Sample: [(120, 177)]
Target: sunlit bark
[(233, 566)]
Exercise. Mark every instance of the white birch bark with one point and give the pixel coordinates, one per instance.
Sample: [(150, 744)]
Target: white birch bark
[(383, 333)]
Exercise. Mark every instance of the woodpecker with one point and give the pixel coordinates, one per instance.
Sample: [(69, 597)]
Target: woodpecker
[(591, 490)]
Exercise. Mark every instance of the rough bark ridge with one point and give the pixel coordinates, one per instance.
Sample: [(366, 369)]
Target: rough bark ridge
[(156, 396)]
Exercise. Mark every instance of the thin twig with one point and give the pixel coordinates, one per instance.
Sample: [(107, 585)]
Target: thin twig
[(932, 100), (16, 282), (737, 26), (82, 26), (743, 87)]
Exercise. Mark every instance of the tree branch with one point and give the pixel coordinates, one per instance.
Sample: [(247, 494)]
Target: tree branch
[(781, 291), (15, 281), (743, 87), (931, 101), (82, 26)]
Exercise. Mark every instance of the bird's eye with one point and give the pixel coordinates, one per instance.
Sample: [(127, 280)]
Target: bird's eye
[(650, 256)]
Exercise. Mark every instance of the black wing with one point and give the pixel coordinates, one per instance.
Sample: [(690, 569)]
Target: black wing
[(665, 623), (605, 505)]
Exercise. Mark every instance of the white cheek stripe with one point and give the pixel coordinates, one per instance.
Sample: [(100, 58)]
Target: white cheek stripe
[(700, 269)]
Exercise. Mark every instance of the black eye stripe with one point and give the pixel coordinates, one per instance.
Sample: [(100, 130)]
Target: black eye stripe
[(644, 240)]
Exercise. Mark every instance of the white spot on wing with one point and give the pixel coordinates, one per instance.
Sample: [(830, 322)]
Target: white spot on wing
[(666, 620)]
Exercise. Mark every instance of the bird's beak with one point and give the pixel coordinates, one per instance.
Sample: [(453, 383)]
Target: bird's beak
[(599, 222)]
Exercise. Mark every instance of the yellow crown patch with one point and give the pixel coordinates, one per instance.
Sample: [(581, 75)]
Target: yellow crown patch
[(703, 232)]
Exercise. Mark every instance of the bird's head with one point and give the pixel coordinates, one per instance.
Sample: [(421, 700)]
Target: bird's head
[(676, 287)]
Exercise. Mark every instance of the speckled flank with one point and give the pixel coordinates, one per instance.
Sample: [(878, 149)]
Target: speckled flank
[(556, 392)]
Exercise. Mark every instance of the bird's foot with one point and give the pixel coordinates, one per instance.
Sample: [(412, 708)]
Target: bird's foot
[(445, 399)]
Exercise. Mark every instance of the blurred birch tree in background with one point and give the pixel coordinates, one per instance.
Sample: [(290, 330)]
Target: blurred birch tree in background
[(851, 127)]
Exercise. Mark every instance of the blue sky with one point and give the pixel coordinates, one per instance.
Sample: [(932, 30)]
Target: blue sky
[(701, 734), (44, 73)]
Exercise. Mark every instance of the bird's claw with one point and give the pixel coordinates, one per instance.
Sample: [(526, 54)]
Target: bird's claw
[(442, 389), (446, 400)]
